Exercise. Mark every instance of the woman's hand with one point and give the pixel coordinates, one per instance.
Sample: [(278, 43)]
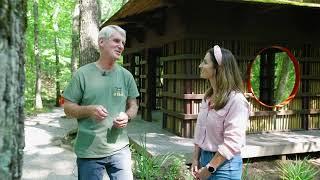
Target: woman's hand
[(203, 173), (194, 168)]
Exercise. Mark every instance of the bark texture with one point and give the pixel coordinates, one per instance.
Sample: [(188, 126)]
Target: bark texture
[(75, 38), (13, 25), (38, 101), (89, 23)]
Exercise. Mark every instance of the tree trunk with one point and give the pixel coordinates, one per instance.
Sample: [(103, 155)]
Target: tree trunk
[(89, 23), (56, 50), (13, 24), (75, 38), (58, 94), (283, 79), (38, 103)]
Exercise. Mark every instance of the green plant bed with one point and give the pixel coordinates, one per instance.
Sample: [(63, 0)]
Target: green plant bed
[(169, 166), (173, 167), (297, 170)]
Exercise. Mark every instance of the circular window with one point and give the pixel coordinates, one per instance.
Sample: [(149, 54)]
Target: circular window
[(274, 76)]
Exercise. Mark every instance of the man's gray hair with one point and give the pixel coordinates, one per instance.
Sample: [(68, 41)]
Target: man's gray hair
[(107, 31)]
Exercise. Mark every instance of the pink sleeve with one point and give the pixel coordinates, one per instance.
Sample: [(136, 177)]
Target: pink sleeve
[(235, 128)]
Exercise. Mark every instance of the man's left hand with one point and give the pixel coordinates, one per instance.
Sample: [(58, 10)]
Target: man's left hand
[(121, 121)]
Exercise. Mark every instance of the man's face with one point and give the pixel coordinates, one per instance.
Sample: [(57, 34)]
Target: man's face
[(113, 46)]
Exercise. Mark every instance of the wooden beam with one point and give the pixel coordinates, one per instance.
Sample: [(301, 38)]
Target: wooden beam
[(182, 116), (181, 76), (183, 96), (285, 112)]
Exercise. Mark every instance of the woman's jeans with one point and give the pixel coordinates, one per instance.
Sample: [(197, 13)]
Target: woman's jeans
[(230, 169), (118, 166)]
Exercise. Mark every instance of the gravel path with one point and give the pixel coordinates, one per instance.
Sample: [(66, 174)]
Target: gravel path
[(45, 156)]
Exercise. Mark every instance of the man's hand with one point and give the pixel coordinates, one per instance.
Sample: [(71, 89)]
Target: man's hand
[(121, 121), (98, 112)]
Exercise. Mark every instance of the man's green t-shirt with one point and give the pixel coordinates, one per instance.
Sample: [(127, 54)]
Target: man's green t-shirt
[(90, 87)]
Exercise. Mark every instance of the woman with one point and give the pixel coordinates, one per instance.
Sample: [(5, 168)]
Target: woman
[(221, 124)]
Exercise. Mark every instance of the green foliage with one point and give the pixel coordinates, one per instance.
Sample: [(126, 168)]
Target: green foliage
[(246, 175), (47, 35), (168, 166), (245, 172), (52, 14), (297, 170), (255, 77), (109, 8), (177, 169), (32, 111), (279, 60), (146, 166)]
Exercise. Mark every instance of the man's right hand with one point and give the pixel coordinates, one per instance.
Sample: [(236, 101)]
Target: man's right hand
[(98, 112)]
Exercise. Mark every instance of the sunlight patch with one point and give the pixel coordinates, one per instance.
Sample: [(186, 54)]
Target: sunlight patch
[(51, 150)]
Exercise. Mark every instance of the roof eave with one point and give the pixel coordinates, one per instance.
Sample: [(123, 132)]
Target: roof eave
[(119, 17), (283, 2)]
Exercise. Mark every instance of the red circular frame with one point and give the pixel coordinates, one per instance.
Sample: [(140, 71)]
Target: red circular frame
[(297, 80)]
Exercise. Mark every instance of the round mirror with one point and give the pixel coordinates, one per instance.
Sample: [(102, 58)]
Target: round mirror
[(274, 76)]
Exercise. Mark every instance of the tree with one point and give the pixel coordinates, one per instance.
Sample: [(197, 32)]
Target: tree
[(89, 23), (13, 24), (90, 14), (110, 7), (47, 39), (38, 103), (283, 85), (75, 38), (56, 50)]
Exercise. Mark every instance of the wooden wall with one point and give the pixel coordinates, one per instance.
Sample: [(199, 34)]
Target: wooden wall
[(183, 89), (244, 29)]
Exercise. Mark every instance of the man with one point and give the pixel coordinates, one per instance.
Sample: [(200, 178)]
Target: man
[(102, 96)]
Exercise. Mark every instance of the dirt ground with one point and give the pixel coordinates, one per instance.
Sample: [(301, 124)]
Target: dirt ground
[(267, 168), (262, 170)]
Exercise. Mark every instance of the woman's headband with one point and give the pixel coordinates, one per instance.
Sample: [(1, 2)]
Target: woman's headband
[(217, 54)]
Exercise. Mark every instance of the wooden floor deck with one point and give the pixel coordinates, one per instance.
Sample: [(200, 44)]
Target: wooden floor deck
[(159, 141)]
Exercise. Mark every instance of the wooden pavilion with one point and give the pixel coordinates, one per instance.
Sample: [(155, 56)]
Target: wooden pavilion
[(166, 40)]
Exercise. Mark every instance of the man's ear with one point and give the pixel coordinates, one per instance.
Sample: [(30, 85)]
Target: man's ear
[(100, 42)]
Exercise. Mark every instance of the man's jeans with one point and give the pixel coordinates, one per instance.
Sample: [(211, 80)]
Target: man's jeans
[(230, 169), (118, 166)]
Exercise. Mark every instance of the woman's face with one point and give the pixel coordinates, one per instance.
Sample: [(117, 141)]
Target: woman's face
[(206, 67)]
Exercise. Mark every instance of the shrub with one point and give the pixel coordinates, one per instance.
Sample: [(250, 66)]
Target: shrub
[(168, 166), (297, 170)]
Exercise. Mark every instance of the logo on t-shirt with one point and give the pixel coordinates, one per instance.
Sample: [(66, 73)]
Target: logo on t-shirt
[(117, 91)]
